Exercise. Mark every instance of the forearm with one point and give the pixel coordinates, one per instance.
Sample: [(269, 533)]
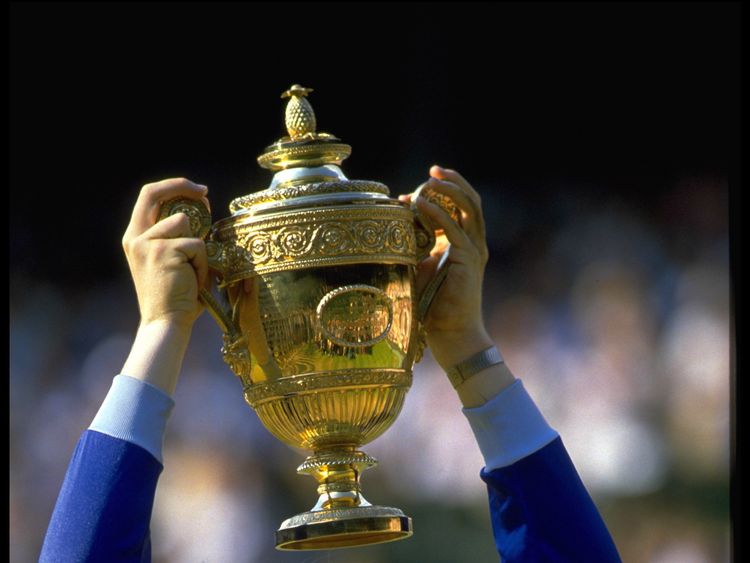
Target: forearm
[(157, 353)]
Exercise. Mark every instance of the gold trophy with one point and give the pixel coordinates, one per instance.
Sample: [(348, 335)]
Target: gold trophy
[(320, 317)]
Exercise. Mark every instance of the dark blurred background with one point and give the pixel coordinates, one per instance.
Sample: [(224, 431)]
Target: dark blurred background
[(604, 140)]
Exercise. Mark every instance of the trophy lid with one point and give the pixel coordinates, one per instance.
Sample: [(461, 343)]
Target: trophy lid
[(306, 165)]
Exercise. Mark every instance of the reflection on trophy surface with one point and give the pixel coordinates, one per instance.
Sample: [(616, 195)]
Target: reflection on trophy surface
[(321, 321)]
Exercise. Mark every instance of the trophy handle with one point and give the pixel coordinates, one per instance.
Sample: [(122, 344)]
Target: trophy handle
[(200, 226), (432, 287)]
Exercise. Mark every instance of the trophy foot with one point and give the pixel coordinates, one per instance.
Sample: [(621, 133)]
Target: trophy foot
[(342, 517), (344, 527)]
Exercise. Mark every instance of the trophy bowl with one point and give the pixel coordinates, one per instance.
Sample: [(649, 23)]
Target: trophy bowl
[(321, 320)]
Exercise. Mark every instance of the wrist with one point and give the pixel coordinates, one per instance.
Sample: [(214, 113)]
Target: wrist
[(465, 370), (449, 348), (166, 329)]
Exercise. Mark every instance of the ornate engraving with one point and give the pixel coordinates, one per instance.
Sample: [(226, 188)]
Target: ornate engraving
[(312, 382), (198, 215), (296, 153), (285, 192), (319, 237), (260, 247), (335, 239), (370, 234), (356, 316), (292, 242)]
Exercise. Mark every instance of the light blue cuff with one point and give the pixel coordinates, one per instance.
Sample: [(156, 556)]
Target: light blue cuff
[(509, 427), (135, 411)]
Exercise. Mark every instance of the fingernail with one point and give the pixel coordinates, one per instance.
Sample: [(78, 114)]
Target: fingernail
[(203, 188)]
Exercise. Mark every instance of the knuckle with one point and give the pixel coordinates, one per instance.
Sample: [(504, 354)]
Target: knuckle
[(135, 247), (159, 247)]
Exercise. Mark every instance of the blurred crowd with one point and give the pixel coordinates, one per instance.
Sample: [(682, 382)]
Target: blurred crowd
[(615, 313)]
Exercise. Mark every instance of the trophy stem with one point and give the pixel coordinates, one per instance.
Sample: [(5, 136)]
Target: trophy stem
[(337, 472), (342, 517)]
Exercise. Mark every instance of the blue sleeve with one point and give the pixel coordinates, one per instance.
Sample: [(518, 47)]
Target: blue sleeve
[(541, 511), (104, 507), (539, 507)]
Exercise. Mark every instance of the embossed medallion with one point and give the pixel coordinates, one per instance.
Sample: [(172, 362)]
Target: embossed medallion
[(355, 316)]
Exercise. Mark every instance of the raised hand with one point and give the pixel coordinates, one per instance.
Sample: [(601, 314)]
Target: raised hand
[(168, 266), (167, 263), (454, 324)]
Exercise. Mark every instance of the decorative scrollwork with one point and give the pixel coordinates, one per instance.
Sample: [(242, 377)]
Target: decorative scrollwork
[(313, 238), (370, 234), (334, 239), (260, 247), (292, 242), (398, 237)]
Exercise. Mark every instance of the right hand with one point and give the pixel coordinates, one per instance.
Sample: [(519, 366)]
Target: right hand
[(167, 263), (454, 325)]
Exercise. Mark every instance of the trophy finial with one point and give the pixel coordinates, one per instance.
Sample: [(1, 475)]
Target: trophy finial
[(305, 146), (299, 115)]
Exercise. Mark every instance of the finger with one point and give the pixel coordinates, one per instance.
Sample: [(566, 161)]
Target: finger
[(146, 209), (452, 176), (194, 250), (205, 201), (471, 214), (455, 234), (174, 226)]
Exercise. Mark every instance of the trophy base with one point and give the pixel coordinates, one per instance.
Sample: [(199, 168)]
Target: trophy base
[(343, 527)]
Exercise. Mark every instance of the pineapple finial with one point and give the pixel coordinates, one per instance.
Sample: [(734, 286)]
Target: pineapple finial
[(299, 115), (304, 146)]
